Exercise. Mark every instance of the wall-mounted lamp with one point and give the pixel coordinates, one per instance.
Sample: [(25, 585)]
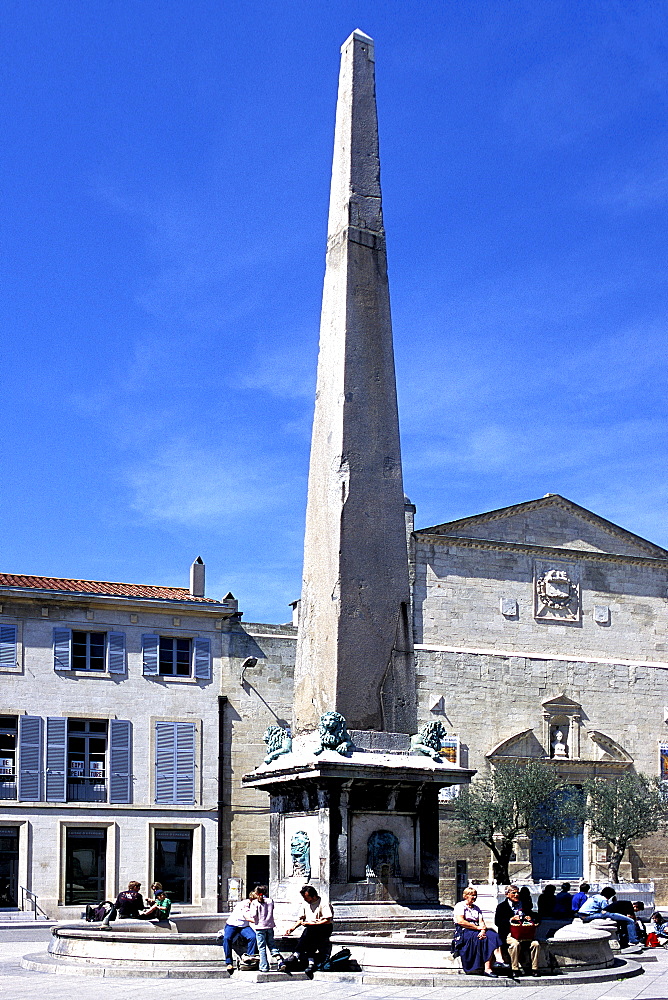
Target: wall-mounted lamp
[(248, 664)]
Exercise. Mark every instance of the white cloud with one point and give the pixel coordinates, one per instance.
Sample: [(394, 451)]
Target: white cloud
[(183, 483)]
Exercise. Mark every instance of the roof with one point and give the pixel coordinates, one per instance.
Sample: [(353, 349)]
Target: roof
[(471, 526), (101, 588)]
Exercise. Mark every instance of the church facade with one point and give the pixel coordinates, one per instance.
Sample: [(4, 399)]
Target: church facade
[(541, 633)]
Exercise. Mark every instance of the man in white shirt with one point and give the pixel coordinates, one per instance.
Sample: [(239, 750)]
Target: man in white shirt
[(316, 918)]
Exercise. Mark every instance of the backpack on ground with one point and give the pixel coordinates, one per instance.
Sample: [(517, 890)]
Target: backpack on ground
[(341, 961)]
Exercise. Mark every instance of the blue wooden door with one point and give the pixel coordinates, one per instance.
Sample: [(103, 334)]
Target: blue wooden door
[(542, 857), (568, 856), (557, 857)]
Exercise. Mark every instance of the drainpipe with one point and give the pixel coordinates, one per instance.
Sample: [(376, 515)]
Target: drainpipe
[(223, 817)]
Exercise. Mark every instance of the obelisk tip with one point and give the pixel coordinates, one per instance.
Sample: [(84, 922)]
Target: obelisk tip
[(361, 36)]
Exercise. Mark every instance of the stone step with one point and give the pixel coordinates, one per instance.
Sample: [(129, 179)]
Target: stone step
[(622, 969), (20, 916), (43, 962)]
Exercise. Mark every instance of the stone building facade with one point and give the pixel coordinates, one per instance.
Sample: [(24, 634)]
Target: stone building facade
[(109, 736), (537, 620)]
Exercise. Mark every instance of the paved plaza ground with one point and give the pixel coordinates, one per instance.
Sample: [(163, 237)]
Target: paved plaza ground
[(21, 985)]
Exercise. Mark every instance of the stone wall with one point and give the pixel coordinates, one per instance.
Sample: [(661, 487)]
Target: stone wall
[(263, 697), (460, 587), (489, 698)]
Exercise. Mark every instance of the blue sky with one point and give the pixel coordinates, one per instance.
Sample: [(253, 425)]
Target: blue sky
[(165, 169)]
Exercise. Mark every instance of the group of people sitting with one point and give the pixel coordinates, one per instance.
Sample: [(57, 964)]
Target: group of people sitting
[(130, 904), (252, 920), (513, 948)]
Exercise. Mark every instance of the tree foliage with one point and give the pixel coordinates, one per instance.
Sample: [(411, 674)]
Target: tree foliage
[(516, 800), (621, 810)]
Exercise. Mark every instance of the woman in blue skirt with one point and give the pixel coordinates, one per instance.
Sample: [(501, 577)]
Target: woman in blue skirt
[(478, 945)]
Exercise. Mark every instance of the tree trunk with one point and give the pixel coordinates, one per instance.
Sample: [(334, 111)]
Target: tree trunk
[(613, 865), (503, 855)]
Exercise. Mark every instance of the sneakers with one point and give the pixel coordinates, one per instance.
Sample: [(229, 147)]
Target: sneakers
[(230, 969), (308, 972)]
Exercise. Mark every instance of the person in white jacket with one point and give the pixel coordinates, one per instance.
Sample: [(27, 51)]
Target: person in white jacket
[(238, 925)]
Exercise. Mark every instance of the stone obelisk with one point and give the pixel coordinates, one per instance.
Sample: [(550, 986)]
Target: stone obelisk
[(354, 649)]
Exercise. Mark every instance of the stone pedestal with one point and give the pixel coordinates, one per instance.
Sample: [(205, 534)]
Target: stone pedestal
[(361, 828)]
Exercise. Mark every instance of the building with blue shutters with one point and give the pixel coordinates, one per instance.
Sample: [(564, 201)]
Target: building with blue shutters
[(109, 741)]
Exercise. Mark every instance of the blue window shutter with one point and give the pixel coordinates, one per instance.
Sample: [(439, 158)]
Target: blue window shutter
[(62, 649), (120, 760), (203, 659), (56, 760), (165, 755), (31, 749), (149, 644), (7, 645), (185, 764), (116, 652)]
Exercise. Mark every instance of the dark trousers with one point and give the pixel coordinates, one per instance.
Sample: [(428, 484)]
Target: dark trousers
[(314, 944)]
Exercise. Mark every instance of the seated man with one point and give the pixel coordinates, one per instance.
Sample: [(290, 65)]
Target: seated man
[(238, 925), (580, 897), (128, 905), (563, 903), (595, 908), (511, 912), (313, 946)]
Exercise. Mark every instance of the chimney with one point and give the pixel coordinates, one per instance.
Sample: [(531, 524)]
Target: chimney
[(197, 571)]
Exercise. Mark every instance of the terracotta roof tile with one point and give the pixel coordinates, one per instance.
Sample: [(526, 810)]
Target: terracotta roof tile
[(100, 587)]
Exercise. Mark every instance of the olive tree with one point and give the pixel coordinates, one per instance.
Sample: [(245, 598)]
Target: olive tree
[(516, 800), (621, 810)]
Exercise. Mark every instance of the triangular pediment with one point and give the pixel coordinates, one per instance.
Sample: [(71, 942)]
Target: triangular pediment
[(550, 522), (562, 701)]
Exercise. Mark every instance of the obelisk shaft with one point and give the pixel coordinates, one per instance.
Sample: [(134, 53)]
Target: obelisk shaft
[(354, 650)]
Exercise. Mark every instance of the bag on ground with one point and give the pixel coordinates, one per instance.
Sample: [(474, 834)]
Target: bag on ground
[(341, 961)]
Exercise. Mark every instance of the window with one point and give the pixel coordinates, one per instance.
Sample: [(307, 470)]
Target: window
[(86, 758), (174, 657), (173, 862), (8, 732), (88, 650), (175, 763), (85, 865), (169, 656)]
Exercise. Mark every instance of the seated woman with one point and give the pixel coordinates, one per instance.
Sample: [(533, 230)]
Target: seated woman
[(160, 908), (478, 944)]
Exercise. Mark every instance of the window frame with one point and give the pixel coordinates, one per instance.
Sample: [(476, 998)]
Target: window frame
[(105, 651), (87, 780), (173, 639)]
